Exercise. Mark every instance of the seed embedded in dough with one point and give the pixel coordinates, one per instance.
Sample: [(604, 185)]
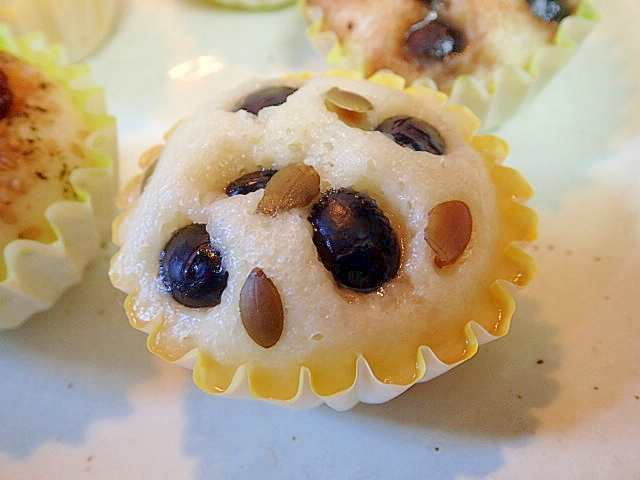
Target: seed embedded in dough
[(449, 231), (351, 108), (294, 186), (261, 309), (148, 162)]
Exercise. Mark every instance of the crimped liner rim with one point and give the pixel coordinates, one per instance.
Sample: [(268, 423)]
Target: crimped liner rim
[(519, 269), (509, 88), (79, 226)]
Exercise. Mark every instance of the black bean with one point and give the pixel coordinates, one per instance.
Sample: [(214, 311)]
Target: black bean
[(191, 270), (354, 240)]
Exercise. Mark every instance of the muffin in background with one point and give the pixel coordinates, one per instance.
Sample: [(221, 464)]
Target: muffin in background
[(492, 56), (81, 25), (57, 154)]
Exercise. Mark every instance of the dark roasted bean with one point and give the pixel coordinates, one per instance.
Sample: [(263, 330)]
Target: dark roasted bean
[(265, 97), (413, 133), (355, 240), (191, 270)]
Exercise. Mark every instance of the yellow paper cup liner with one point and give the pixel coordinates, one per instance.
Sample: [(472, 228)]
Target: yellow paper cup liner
[(35, 274), (493, 100), (340, 378)]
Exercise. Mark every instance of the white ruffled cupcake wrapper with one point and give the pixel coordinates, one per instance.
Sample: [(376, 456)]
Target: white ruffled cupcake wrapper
[(509, 88), (38, 273)]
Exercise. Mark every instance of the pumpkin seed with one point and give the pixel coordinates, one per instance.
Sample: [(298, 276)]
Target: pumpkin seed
[(449, 231), (294, 186), (351, 108), (148, 162), (261, 309)]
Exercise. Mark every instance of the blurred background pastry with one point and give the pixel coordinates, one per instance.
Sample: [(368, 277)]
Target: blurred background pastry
[(81, 25)]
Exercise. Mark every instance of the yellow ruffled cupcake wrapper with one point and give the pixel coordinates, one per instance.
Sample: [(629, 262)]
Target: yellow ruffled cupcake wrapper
[(79, 226), (489, 320), (510, 87)]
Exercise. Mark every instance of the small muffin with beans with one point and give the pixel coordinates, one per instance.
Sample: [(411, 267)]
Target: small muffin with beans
[(326, 238), (489, 55), (57, 148)]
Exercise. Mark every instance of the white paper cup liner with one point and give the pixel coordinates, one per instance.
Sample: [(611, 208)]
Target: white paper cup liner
[(38, 273)]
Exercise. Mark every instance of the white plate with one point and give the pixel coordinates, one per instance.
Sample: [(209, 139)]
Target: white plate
[(559, 397)]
